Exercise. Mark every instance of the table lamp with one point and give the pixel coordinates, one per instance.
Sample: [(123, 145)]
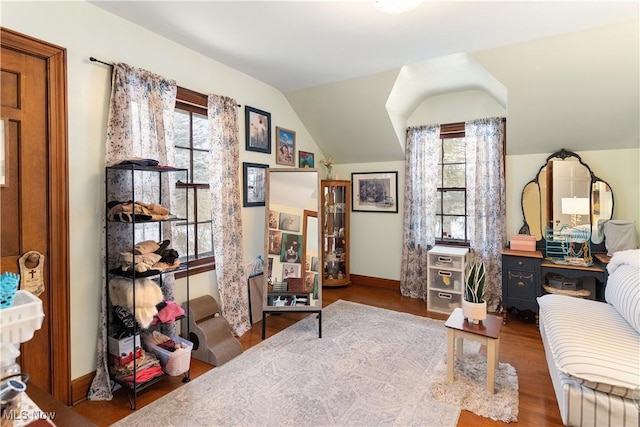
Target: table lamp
[(576, 207)]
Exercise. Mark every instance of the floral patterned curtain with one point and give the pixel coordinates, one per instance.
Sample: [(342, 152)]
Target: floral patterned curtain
[(140, 124), (423, 149), (486, 200), (227, 219)]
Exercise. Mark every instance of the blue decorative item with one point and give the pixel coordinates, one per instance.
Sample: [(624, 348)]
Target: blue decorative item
[(568, 245), (8, 286)]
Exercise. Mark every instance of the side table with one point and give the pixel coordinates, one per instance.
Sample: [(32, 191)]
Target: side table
[(487, 333)]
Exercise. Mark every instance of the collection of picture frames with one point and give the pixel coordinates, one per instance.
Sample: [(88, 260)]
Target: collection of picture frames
[(371, 191), (285, 246), (258, 139)]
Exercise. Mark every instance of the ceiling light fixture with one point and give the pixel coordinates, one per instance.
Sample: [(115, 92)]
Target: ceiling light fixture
[(396, 7)]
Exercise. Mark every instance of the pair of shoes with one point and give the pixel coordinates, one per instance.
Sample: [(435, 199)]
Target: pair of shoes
[(124, 211), (146, 247), (127, 217)]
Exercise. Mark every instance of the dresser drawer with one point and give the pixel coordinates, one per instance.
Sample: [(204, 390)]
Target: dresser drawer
[(522, 284), (448, 280), (520, 263), (446, 261), (443, 302)]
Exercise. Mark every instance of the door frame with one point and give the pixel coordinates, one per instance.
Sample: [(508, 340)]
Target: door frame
[(58, 177)]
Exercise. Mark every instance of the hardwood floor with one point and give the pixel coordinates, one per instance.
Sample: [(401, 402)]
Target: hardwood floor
[(520, 346)]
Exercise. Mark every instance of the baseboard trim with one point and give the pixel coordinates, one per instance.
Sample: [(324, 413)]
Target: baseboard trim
[(376, 282), (80, 387)]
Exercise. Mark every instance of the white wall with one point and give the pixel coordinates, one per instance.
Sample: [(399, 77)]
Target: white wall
[(85, 30), (456, 107), (376, 237)]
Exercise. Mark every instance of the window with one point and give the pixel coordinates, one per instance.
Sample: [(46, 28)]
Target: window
[(191, 131), (451, 211)]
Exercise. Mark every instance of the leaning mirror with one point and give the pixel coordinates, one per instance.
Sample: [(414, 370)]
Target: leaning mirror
[(292, 241), (566, 192)]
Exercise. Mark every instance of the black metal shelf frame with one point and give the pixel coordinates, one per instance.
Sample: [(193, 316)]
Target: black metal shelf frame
[(134, 388)]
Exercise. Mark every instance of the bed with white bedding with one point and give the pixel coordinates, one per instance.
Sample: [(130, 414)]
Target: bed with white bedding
[(593, 349)]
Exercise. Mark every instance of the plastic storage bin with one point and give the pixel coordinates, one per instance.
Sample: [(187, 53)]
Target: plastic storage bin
[(444, 302), (447, 261), (446, 279), (173, 362), (22, 319)]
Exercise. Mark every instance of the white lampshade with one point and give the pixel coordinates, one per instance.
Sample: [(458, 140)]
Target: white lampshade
[(575, 205)]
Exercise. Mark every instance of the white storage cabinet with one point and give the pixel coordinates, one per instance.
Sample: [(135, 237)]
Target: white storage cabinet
[(445, 278)]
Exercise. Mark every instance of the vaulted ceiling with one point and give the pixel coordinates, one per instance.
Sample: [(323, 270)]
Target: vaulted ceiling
[(354, 74)]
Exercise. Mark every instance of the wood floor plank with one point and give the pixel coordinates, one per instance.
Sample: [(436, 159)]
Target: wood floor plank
[(521, 346)]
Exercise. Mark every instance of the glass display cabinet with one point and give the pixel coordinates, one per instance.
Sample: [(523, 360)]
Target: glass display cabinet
[(336, 198)]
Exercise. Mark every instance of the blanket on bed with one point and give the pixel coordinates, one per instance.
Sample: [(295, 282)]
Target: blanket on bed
[(629, 257)]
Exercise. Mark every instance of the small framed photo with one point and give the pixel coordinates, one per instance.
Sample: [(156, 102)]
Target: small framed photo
[(310, 281), (315, 264), (374, 192), (273, 219), (289, 222), (291, 248), (257, 130), (285, 147), (306, 159), (290, 270), (255, 175), (275, 242)]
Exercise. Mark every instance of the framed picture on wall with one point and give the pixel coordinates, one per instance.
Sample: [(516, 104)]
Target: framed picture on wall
[(289, 222), (273, 218), (290, 270), (255, 175), (285, 146), (306, 159), (257, 125), (275, 242), (310, 281), (291, 250), (374, 192)]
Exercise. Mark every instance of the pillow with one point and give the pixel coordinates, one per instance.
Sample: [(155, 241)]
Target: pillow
[(619, 236), (623, 293)]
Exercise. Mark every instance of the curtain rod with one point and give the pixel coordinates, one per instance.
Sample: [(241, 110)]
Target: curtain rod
[(92, 59)]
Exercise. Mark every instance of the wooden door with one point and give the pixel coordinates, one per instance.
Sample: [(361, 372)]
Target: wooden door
[(34, 199)]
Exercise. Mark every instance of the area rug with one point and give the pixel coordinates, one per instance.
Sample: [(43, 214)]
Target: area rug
[(469, 388), (371, 367)]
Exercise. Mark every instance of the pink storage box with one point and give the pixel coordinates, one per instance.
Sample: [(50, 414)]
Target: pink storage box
[(523, 242)]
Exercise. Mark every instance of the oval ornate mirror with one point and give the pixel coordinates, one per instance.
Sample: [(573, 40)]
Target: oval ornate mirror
[(566, 191)]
